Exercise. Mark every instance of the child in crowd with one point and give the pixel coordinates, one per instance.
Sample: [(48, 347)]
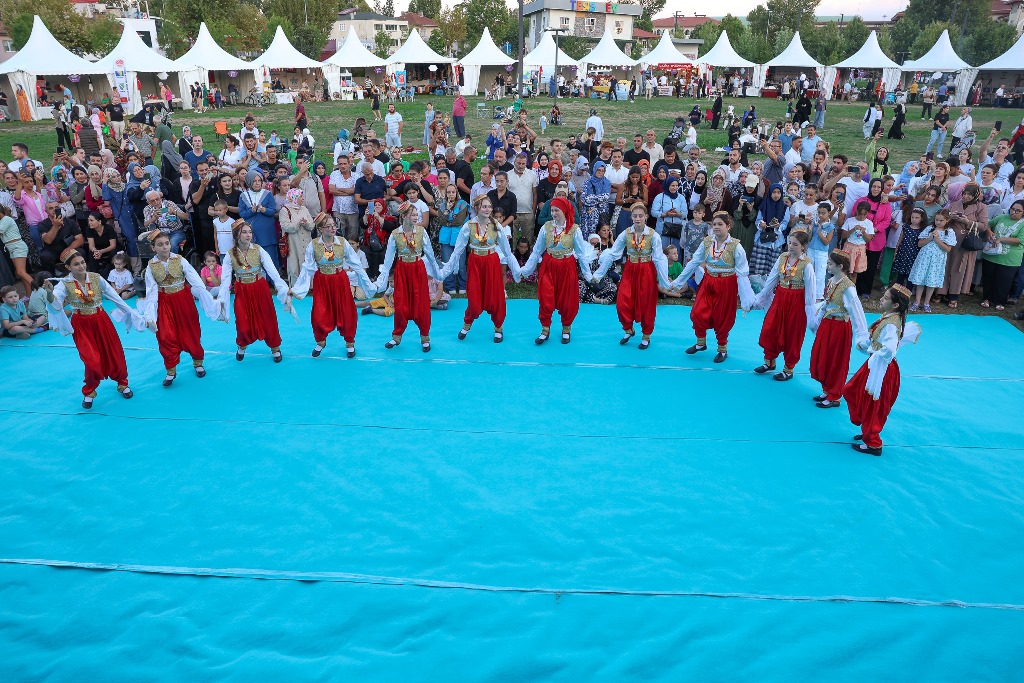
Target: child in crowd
[(42, 294), (273, 139), (929, 269), (522, 255), (293, 156), (353, 280), (121, 278), (211, 273), (823, 234), (438, 297), (675, 268), (857, 232), (694, 233), (908, 248), (15, 318), (222, 224)]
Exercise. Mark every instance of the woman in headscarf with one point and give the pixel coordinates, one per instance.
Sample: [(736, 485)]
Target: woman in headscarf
[(108, 159), (880, 215), (559, 251), (699, 191), (594, 198), (878, 159), (297, 223), (185, 141), (968, 214), (97, 125), (547, 187), (717, 197), (581, 174), (115, 193), (543, 162), (94, 189), (769, 238), (169, 161), (631, 192), (803, 110), (898, 119), (670, 210), (256, 207), (136, 189), (695, 116)]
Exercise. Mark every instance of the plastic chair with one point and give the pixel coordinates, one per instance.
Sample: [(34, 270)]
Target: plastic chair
[(481, 110), (220, 127)]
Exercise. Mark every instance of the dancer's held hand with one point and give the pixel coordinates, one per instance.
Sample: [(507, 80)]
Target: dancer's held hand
[(152, 326)]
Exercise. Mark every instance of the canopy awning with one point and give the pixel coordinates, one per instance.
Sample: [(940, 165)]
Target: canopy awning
[(795, 55), (206, 54), (869, 56), (723, 54), (607, 53), (665, 54), (415, 51), (136, 56), (544, 54), (353, 53), (942, 57), (486, 53), (281, 54), (43, 55)]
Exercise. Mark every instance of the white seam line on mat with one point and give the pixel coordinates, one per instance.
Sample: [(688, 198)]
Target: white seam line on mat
[(490, 432), (525, 364), (344, 577)]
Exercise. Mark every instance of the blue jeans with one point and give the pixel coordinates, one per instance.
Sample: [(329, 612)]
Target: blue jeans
[(1018, 284), (177, 237), (819, 119), (938, 136), (456, 280)]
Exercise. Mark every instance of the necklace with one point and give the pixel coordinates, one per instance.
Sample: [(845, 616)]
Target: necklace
[(481, 237), (85, 296), (410, 240), (716, 254), (328, 250), (638, 244), (789, 271)]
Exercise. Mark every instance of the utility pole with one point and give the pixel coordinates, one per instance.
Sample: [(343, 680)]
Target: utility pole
[(558, 32), (519, 83)]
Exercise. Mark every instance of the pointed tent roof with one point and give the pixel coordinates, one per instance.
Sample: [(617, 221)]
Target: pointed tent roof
[(795, 55), (415, 51), (607, 53), (1011, 60), (42, 54), (869, 56), (665, 52), (353, 53), (205, 53), (281, 54), (137, 56), (941, 57), (723, 54), (486, 53), (544, 54)]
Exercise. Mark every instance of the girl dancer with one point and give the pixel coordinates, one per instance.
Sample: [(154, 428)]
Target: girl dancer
[(725, 274), (557, 249), (646, 267), (871, 393), (255, 318), (789, 293), (171, 284), (412, 256), (485, 286), (324, 266), (838, 320), (97, 342)]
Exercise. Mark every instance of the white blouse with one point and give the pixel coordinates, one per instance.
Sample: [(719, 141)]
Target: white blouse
[(856, 311), (618, 248), (741, 268), (502, 246), (582, 249), (389, 260), (149, 306), (767, 294), (879, 359), (350, 262), (227, 271), (59, 320)]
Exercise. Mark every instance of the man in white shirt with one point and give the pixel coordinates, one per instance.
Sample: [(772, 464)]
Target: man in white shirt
[(368, 157), (343, 189), (856, 187), (19, 155), (395, 124), (1000, 91), (460, 146), (616, 171), (482, 186), (795, 154), (596, 123), (651, 146), (588, 85), (962, 125), (523, 182), (998, 157), (810, 143)]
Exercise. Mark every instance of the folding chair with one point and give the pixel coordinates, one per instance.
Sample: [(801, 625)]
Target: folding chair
[(220, 127)]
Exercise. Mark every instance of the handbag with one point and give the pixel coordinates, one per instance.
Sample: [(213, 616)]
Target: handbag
[(972, 241), (282, 245), (106, 211)]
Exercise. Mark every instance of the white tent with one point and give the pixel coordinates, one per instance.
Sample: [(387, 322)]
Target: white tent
[(543, 56), (414, 51), (281, 54), (1011, 61), (206, 56), (869, 56), (793, 56), (942, 57), (351, 54), (134, 57), (666, 53), (607, 53), (486, 53), (723, 54), (42, 56)]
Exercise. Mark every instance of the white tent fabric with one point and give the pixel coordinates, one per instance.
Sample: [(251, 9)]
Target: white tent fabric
[(351, 54), (544, 55), (941, 57), (137, 57), (869, 56), (795, 55), (723, 54), (415, 51), (43, 56), (607, 53), (486, 53), (963, 83), (205, 56), (281, 54), (665, 52), (1011, 60)]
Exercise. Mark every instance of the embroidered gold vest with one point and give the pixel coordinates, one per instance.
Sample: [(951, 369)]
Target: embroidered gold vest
[(835, 307), (409, 247), (563, 245), (328, 264), (875, 331), (170, 274), (793, 278), (483, 240), (720, 262), (246, 263), (639, 249), (87, 296)]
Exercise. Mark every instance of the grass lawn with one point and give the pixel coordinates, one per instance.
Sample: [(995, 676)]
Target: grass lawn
[(842, 130)]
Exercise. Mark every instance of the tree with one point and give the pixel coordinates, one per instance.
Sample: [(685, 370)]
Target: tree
[(270, 30), (450, 31), (829, 44), (104, 34), (481, 13), (60, 18), (854, 33), (575, 46), (651, 8), (989, 40), (385, 7), (734, 26), (428, 8), (709, 32), (783, 38), (382, 44), (754, 47), (310, 40), (758, 21)]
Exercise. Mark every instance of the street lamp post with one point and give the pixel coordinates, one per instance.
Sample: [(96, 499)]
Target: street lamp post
[(557, 31), (519, 83)]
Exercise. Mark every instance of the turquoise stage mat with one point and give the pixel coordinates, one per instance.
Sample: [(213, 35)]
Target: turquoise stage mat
[(510, 512)]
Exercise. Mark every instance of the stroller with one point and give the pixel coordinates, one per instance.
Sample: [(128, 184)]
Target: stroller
[(678, 131), (359, 131)]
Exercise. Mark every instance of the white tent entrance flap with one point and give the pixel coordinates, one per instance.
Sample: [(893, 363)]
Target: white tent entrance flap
[(486, 53)]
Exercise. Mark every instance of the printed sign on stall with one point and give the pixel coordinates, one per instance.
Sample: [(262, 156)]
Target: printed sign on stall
[(121, 81)]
